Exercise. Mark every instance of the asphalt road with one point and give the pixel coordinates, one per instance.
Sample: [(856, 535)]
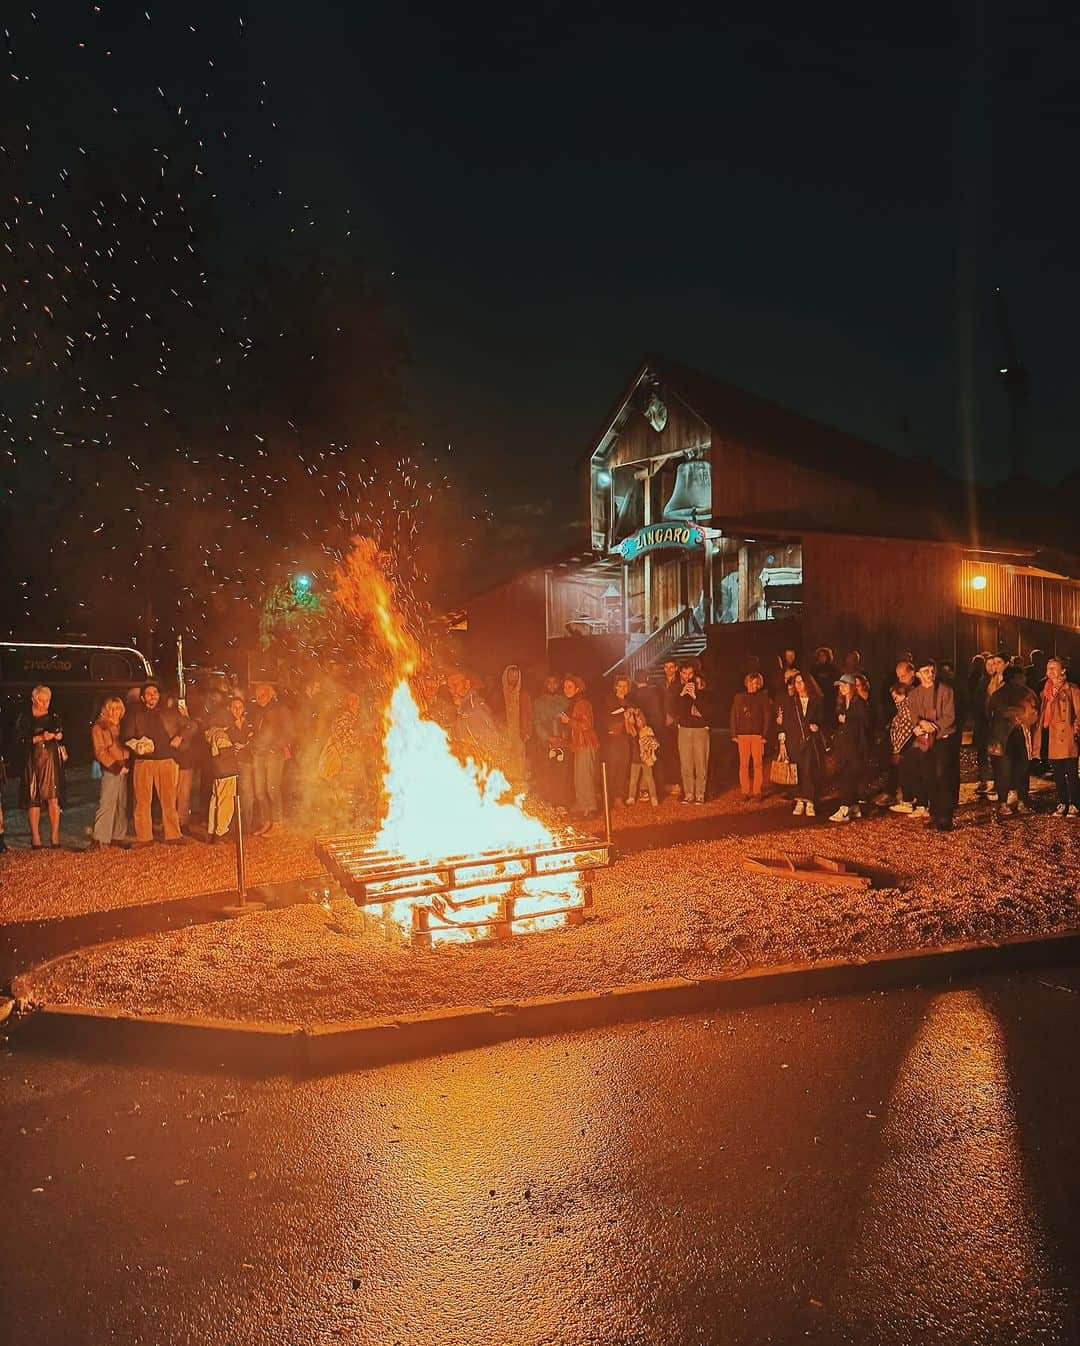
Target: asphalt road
[(896, 1168)]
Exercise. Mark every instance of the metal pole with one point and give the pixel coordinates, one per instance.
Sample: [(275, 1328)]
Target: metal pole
[(607, 802), (243, 905)]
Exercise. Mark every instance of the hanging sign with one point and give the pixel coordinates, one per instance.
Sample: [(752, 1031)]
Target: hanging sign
[(655, 536)]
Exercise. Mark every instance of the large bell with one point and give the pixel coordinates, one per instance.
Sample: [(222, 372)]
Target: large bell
[(691, 497)]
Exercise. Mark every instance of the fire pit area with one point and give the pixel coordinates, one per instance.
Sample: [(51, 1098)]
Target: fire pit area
[(488, 894)]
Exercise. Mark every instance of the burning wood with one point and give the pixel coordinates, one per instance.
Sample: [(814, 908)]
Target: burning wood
[(456, 856), (489, 894)]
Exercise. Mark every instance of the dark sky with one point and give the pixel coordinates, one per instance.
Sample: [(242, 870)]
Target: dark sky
[(815, 205)]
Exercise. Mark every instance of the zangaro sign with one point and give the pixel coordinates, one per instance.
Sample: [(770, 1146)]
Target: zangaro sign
[(657, 535)]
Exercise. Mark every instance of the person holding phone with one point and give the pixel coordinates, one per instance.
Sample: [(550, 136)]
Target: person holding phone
[(41, 736)]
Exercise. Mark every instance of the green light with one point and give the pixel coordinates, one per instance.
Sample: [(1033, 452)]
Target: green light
[(302, 583)]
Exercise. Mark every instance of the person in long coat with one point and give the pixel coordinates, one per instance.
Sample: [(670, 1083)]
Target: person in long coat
[(584, 744), (801, 717), (40, 734), (1060, 719), (851, 744)]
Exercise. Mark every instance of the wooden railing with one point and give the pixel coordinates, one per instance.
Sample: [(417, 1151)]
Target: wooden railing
[(658, 644)]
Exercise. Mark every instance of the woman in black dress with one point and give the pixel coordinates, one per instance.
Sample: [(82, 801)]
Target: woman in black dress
[(40, 735)]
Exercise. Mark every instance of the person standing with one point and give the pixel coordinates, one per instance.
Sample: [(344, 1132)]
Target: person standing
[(852, 747), (229, 741), (800, 720), (668, 730), (549, 756), (905, 761), (990, 682), (615, 736), (110, 819), (584, 744), (933, 709), (695, 729), (1014, 711), (153, 732), (517, 724), (40, 734), (190, 759), (1060, 723), (268, 752), (751, 715)]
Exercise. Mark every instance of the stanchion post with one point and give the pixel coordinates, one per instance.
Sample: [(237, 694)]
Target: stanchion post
[(607, 802), (244, 904)]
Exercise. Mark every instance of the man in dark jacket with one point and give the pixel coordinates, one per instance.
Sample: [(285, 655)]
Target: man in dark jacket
[(155, 732), (269, 748)]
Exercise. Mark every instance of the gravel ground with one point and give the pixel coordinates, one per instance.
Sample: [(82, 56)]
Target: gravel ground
[(687, 910), (48, 885)]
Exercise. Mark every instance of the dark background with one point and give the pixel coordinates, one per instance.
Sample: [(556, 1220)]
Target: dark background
[(448, 235)]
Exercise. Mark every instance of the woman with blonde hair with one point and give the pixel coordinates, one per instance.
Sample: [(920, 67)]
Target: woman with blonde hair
[(110, 820), (40, 734)]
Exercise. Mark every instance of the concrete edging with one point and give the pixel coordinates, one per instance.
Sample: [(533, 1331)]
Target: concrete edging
[(265, 1047)]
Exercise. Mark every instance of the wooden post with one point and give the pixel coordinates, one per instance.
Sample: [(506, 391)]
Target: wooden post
[(744, 583)]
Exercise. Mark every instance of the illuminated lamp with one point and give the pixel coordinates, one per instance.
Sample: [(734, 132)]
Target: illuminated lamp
[(978, 581), (603, 479), (302, 583)]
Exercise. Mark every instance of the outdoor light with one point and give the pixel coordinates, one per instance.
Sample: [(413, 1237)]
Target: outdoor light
[(302, 583), (978, 581), (603, 479)]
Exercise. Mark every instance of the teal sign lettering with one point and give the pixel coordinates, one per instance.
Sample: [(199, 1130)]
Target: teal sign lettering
[(655, 536)]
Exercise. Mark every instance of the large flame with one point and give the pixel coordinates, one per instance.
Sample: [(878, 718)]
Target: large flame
[(437, 806)]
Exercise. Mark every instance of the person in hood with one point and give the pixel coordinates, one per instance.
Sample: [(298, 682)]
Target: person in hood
[(517, 723)]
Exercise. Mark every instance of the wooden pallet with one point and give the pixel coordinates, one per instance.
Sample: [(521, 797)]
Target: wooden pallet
[(449, 894)]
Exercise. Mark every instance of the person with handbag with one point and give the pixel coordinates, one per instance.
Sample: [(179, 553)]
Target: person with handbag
[(800, 719), (1061, 731), (751, 713), (41, 735), (933, 710)]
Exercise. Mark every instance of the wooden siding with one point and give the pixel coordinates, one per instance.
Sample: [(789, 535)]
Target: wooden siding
[(748, 483), (879, 597), (638, 440), (1023, 592)]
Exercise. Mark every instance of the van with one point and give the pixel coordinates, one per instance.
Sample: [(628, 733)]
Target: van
[(81, 677)]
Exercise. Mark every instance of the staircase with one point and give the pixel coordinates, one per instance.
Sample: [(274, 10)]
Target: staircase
[(680, 638), (690, 646)]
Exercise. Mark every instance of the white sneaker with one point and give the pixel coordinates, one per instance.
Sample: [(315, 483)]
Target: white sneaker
[(797, 811), (920, 812), (856, 810), (989, 786), (631, 801), (903, 807), (842, 815), (811, 812), (1062, 810), (1074, 812)]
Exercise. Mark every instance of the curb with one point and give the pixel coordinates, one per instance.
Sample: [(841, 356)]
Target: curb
[(270, 1048)]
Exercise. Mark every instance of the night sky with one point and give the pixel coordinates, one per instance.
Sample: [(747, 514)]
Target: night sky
[(812, 204)]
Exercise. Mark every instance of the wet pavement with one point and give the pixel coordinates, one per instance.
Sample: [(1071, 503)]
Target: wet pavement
[(895, 1168)]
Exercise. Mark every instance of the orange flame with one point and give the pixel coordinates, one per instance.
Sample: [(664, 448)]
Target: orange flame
[(363, 590), (438, 806)]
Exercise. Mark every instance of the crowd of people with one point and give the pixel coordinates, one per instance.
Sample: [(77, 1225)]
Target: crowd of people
[(814, 731), (191, 766)]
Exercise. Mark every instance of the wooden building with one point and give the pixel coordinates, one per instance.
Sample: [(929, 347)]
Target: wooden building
[(726, 526)]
